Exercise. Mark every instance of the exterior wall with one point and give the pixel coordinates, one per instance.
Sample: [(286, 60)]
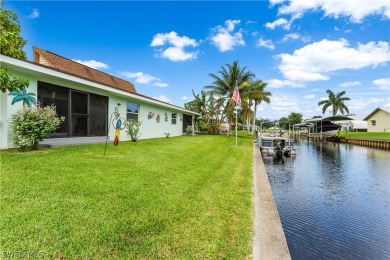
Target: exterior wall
[(151, 129), (7, 110), (382, 122)]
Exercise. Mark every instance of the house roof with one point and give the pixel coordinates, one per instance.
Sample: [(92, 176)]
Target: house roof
[(33, 68), (74, 68), (385, 109)]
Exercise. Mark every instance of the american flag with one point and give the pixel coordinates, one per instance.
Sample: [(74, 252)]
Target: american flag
[(236, 96)]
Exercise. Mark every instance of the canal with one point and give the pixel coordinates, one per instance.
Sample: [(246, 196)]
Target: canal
[(333, 200)]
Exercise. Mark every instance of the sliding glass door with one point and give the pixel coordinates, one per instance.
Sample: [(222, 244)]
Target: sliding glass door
[(80, 113), (85, 113)]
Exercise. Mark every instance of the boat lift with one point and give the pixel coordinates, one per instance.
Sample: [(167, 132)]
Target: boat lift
[(274, 144)]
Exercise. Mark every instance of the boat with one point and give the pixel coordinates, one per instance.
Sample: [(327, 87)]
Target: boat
[(276, 145)]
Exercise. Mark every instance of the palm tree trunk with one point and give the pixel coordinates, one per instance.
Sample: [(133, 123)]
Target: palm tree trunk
[(254, 117), (247, 124)]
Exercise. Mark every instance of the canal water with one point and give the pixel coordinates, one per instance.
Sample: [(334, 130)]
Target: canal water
[(333, 200)]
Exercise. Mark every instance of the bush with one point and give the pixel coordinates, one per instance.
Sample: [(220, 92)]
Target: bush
[(132, 129), (189, 130), (31, 124)]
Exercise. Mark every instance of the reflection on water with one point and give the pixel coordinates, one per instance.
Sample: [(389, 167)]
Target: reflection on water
[(333, 200)]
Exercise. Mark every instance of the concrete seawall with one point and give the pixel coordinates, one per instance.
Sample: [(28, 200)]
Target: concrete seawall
[(269, 241)]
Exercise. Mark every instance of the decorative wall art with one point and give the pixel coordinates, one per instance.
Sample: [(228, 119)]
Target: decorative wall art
[(166, 117), (27, 98), (158, 118), (150, 115)]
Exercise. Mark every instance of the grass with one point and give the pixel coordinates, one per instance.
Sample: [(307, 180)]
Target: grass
[(177, 198), (366, 135)]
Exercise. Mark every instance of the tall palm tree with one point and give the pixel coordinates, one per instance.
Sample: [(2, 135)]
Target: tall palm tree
[(246, 112), (336, 101), (224, 83), (256, 94)]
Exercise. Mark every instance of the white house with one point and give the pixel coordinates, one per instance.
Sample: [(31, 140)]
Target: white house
[(87, 98), (378, 120)]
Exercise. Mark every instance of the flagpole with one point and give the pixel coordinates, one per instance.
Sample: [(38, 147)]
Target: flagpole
[(237, 99), (236, 125)]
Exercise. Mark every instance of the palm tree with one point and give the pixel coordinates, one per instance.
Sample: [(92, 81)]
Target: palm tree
[(335, 101), (27, 98), (256, 93), (223, 85)]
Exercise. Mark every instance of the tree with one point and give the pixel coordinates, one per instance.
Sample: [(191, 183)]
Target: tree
[(257, 93), (223, 86), (295, 118), (335, 101), (11, 45), (209, 108)]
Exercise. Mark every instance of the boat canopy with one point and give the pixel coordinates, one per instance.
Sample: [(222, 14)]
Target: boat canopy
[(312, 122), (330, 118)]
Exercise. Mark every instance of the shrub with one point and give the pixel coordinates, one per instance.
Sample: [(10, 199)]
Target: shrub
[(189, 130), (31, 124), (132, 129)]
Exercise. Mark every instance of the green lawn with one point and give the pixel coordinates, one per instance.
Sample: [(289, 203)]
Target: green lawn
[(366, 135), (177, 198)]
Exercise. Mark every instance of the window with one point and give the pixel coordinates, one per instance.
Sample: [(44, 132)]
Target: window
[(373, 122), (132, 111), (173, 118)]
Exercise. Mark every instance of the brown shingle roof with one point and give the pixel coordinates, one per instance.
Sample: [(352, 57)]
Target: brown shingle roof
[(74, 68)]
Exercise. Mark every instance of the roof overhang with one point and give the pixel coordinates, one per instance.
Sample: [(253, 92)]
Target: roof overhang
[(34, 69)]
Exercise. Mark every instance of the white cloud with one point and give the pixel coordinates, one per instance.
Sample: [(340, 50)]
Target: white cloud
[(292, 36), (139, 77), (34, 14), (184, 98), (163, 99), (383, 83), (279, 22), (265, 43), (160, 84), (172, 38), (177, 52), (277, 83), (314, 61), (225, 39), (350, 84), (309, 96), (356, 10), (295, 36), (143, 78), (93, 64)]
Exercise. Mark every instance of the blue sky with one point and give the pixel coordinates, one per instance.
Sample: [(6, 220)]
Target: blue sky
[(166, 49)]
